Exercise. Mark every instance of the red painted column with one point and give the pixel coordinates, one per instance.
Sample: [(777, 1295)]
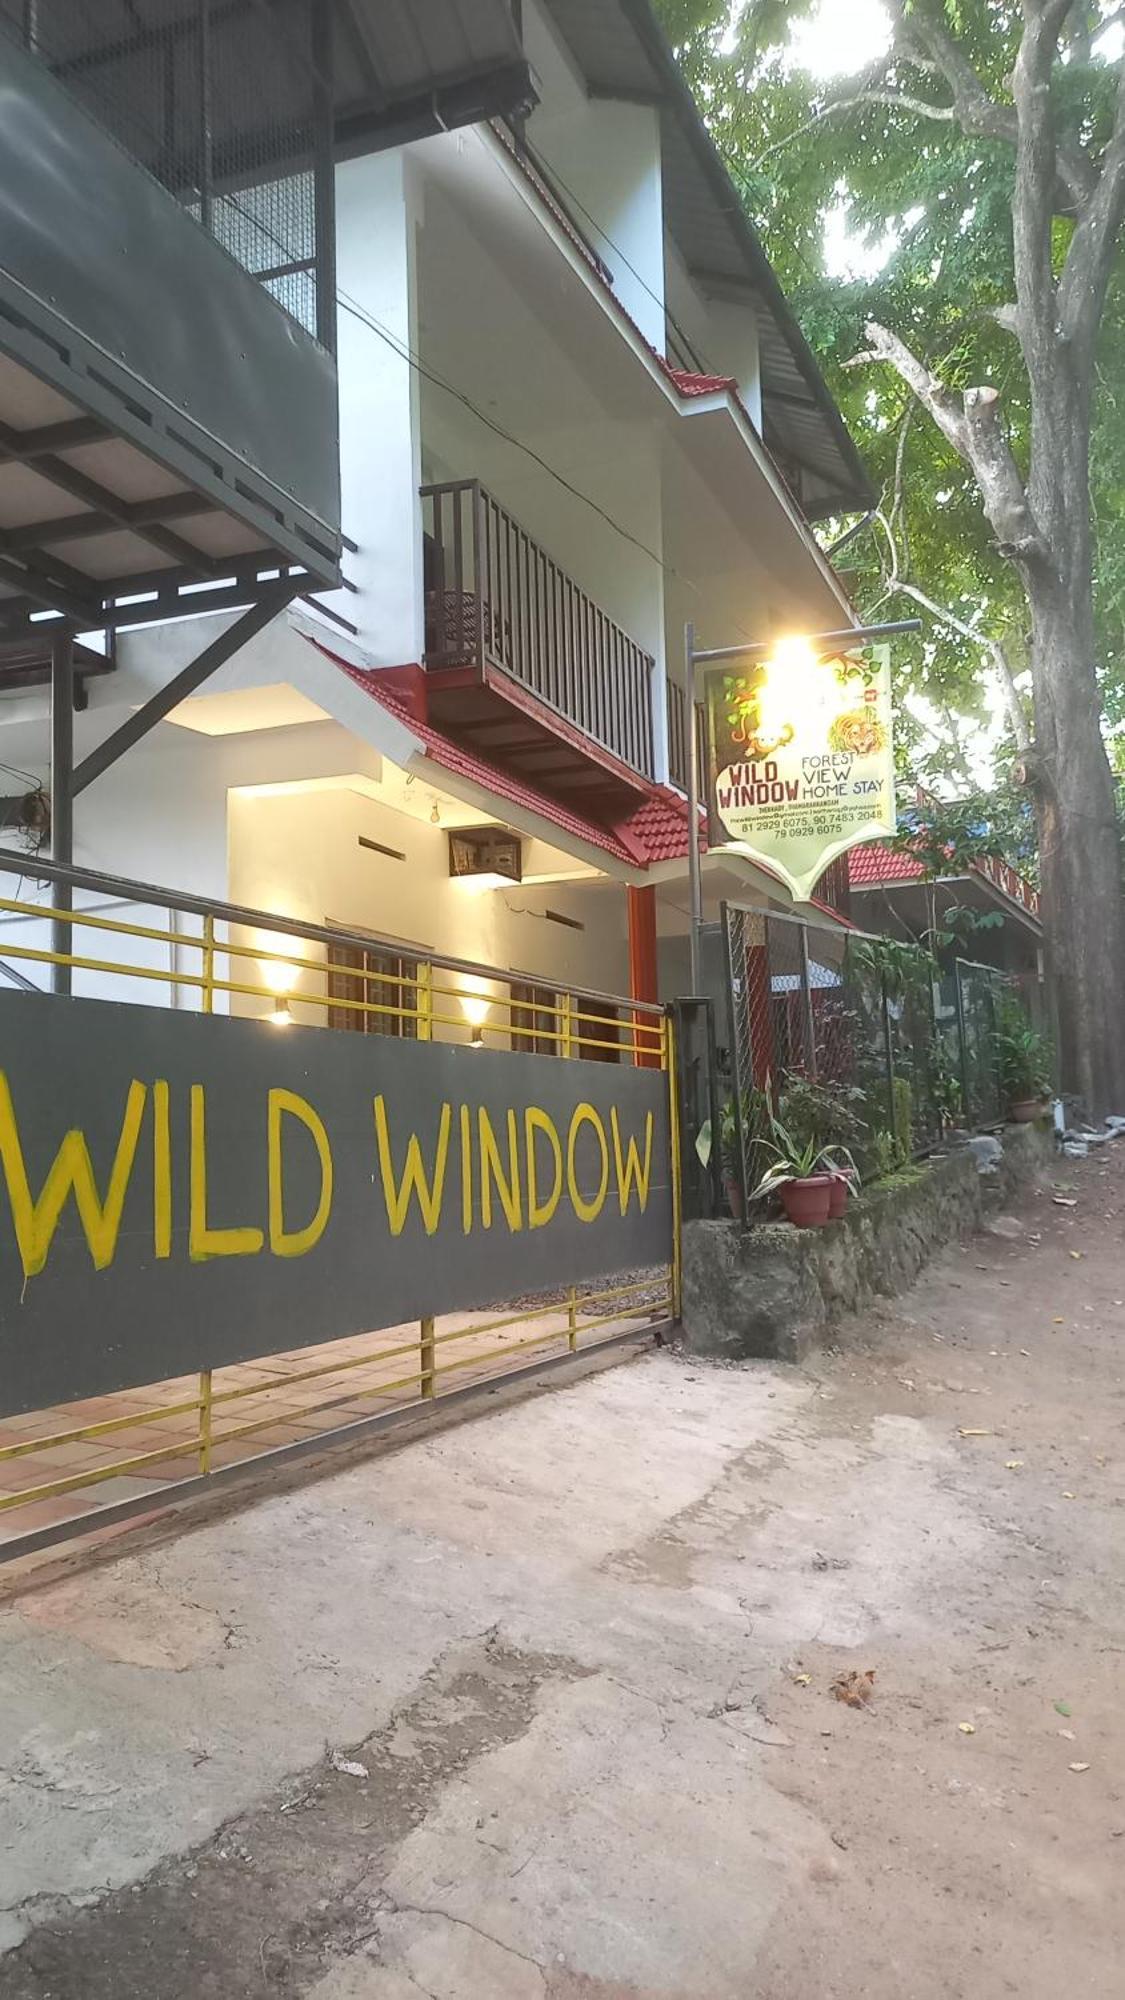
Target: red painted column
[(643, 982)]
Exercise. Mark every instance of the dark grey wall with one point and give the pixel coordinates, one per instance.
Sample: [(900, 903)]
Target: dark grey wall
[(66, 1066), (107, 251)]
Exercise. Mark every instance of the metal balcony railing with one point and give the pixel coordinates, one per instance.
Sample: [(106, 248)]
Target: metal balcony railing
[(496, 601)]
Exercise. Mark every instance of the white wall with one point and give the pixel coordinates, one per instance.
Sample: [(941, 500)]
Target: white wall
[(378, 205), (299, 854), (723, 331), (605, 156), (160, 816), (733, 342)]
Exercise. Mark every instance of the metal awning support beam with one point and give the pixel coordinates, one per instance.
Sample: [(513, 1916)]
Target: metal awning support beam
[(80, 487), (854, 635), (273, 599), (141, 514)]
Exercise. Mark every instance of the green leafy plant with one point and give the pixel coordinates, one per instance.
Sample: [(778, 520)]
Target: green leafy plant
[(1023, 1057), (902, 1096), (903, 968), (756, 1118), (822, 1110), (794, 1160), (945, 1084), (882, 1156)]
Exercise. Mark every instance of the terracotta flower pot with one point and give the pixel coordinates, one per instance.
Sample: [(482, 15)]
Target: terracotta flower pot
[(839, 1191), (1025, 1111), (806, 1202)]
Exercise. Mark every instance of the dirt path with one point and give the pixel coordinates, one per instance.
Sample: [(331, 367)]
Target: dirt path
[(583, 1651)]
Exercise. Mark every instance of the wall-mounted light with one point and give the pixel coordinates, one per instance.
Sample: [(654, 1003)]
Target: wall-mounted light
[(281, 1016), (487, 857), (475, 1004)]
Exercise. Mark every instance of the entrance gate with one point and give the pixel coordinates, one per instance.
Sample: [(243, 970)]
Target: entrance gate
[(267, 1186)]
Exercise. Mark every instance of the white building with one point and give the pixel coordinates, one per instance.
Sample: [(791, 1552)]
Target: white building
[(575, 412)]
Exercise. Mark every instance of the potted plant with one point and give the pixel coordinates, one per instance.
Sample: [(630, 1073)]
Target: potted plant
[(756, 1118), (843, 1176), (798, 1175), (1023, 1059)]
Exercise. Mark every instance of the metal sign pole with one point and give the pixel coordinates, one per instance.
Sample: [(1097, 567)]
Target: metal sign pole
[(695, 872)]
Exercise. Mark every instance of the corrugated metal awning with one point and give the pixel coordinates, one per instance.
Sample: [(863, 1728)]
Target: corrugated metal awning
[(397, 62)]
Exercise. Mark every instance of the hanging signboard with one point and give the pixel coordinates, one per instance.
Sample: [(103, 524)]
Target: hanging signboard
[(801, 758)]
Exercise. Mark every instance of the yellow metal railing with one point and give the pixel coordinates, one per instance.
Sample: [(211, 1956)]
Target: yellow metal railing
[(300, 967), (357, 1380), (422, 996)]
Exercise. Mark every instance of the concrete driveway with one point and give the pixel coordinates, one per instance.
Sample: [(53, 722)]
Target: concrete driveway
[(541, 1706)]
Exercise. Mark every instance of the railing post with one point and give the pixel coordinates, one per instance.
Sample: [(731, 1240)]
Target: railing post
[(889, 1054), (205, 1412), (424, 1002), (806, 1001), (671, 1073), (62, 798), (426, 1357), (566, 1045), (481, 570), (963, 1044), (209, 965), (572, 1320)]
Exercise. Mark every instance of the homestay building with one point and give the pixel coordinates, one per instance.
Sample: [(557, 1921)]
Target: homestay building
[(993, 908), (575, 411), (383, 387)]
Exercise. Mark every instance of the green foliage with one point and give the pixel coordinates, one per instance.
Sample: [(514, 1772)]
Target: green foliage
[(830, 1113), (946, 1094), (902, 1096), (882, 1156), (940, 204), (798, 1159), (948, 836), (1023, 1055), (902, 967)]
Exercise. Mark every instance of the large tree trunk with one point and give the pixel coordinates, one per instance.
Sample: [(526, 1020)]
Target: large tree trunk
[(1080, 851), (1080, 857)]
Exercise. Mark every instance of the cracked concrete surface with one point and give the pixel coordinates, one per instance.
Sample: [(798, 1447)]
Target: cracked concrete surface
[(583, 1651)]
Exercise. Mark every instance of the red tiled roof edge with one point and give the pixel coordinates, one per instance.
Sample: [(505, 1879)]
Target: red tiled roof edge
[(442, 750), (873, 866)]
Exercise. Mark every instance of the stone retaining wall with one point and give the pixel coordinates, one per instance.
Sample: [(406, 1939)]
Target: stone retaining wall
[(774, 1290)]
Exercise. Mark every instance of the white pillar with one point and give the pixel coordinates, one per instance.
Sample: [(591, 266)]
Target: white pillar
[(377, 222)]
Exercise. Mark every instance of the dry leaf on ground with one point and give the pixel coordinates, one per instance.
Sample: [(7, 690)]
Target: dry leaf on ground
[(854, 1688)]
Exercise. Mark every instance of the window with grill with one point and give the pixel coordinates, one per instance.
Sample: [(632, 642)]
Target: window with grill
[(350, 982), (535, 1024)]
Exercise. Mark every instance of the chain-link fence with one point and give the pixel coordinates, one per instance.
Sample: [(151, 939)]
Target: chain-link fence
[(850, 1042), (229, 106)]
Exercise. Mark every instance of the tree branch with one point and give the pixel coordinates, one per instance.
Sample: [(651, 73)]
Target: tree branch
[(978, 114), (899, 100), (1007, 317), (971, 424), (994, 649), (1082, 287), (1036, 166)]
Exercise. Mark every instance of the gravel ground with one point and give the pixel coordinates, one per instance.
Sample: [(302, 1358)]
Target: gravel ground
[(544, 1706)]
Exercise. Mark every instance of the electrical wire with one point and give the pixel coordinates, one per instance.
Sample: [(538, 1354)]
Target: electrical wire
[(411, 359)]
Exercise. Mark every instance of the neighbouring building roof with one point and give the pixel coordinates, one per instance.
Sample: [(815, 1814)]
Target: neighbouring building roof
[(879, 867), (622, 52), (876, 867)]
